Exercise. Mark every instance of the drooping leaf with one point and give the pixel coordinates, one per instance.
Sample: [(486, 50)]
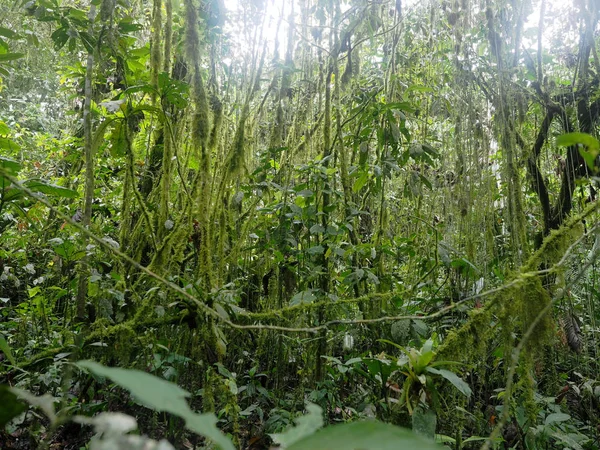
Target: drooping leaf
[(456, 381), (44, 402), (370, 435), (589, 157), (569, 139), (50, 189), (161, 395), (305, 426)]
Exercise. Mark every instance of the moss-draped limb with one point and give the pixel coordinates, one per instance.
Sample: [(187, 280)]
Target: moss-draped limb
[(200, 133), (155, 43)]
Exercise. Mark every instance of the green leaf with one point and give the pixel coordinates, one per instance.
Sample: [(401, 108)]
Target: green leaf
[(9, 166), (456, 381), (5, 348), (4, 129), (88, 41), (303, 297), (11, 406), (444, 439), (316, 250), (556, 417), (370, 435), (569, 139), (127, 26), (50, 189), (360, 182), (60, 38), (424, 422), (305, 426), (381, 367), (399, 106), (423, 361), (161, 395), (589, 157), (9, 34), (306, 193), (44, 402), (593, 146), (10, 56), (140, 88), (9, 144), (478, 438), (569, 440)]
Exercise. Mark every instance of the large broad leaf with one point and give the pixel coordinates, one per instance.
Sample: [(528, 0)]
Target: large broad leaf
[(305, 426), (578, 138), (50, 189), (458, 382), (11, 406), (556, 417), (364, 436), (160, 395)]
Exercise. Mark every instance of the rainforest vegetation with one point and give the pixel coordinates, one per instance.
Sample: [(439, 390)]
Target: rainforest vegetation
[(303, 224)]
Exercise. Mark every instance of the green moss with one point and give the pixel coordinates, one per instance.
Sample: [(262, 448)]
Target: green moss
[(125, 342), (469, 342), (208, 398)]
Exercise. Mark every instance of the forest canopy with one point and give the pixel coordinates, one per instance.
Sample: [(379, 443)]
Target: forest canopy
[(229, 224)]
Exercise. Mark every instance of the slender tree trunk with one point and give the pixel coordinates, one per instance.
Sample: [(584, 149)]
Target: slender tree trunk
[(89, 174)]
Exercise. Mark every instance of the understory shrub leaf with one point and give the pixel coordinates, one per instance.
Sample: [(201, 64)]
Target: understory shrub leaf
[(161, 396), (305, 426), (370, 435)]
